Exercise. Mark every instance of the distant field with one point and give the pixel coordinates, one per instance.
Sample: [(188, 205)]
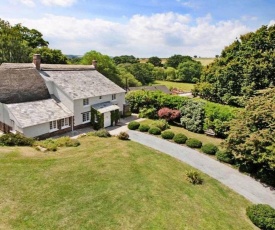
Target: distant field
[(110, 184), (185, 87), (204, 61)]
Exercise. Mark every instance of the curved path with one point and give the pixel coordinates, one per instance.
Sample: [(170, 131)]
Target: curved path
[(240, 183)]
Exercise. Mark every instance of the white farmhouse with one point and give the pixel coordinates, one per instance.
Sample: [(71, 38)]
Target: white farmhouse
[(42, 100)]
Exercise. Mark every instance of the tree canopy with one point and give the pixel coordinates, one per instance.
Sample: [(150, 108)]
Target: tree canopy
[(105, 66), (50, 56), (244, 67), (176, 59), (125, 59), (156, 61), (251, 138)]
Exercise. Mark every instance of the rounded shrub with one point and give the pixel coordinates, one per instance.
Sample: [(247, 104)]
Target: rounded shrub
[(262, 215), (161, 124), (101, 133), (193, 143), (210, 149), (133, 125), (225, 156), (167, 134), (143, 128), (154, 131), (123, 136), (180, 138)]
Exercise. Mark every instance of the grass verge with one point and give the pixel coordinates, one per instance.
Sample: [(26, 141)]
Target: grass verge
[(110, 184)]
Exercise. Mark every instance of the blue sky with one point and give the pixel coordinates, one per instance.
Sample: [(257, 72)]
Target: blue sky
[(142, 28)]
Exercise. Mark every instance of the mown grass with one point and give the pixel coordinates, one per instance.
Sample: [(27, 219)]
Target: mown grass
[(186, 87), (202, 137), (110, 184)]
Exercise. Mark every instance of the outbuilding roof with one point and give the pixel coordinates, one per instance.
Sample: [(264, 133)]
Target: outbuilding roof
[(79, 84), (38, 112)]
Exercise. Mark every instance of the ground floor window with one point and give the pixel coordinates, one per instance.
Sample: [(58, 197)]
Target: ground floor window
[(86, 117), (65, 122), (53, 125)]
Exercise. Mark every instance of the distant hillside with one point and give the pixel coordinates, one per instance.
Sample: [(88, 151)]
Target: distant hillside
[(204, 61)]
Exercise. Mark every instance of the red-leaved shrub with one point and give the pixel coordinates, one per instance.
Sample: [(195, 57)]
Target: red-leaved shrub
[(168, 114)]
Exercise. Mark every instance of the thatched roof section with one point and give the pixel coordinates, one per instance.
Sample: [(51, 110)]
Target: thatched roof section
[(161, 88), (82, 84), (21, 83)]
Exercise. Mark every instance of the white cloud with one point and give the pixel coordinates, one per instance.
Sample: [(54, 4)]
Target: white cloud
[(142, 36), (271, 23), (29, 3), (63, 3)]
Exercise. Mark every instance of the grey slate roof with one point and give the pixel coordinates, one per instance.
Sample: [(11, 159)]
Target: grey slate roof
[(38, 112), (161, 88), (81, 84), (21, 83), (60, 67), (105, 107)]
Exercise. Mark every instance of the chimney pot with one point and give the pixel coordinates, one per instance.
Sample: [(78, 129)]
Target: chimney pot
[(37, 61), (94, 63)]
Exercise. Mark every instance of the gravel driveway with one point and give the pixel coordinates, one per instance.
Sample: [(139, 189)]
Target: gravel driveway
[(240, 183)]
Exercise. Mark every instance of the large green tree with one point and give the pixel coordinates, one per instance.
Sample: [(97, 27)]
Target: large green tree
[(13, 47), (105, 66), (50, 56), (244, 67), (125, 59), (189, 71), (176, 59), (143, 72), (156, 61), (251, 138)]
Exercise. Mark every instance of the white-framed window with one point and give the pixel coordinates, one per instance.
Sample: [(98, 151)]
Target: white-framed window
[(85, 101), (85, 117), (65, 123), (53, 125), (113, 96), (100, 97)]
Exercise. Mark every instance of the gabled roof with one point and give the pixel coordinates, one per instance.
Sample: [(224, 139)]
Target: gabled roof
[(161, 88), (79, 84), (21, 83), (38, 112)]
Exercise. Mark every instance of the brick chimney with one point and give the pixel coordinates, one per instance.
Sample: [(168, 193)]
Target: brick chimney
[(94, 63), (37, 61)]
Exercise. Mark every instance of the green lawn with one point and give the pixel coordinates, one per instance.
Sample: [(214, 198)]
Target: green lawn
[(186, 87), (110, 184), (202, 137)]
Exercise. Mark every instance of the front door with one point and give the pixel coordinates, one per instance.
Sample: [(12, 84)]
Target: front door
[(107, 119)]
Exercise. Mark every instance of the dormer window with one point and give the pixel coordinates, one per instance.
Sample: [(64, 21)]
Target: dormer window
[(85, 101), (113, 96)]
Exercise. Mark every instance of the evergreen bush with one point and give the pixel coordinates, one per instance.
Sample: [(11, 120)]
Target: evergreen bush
[(143, 128), (210, 149), (193, 143), (11, 139), (133, 125), (161, 124), (101, 133), (180, 138), (225, 156), (167, 134), (154, 131), (262, 215)]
